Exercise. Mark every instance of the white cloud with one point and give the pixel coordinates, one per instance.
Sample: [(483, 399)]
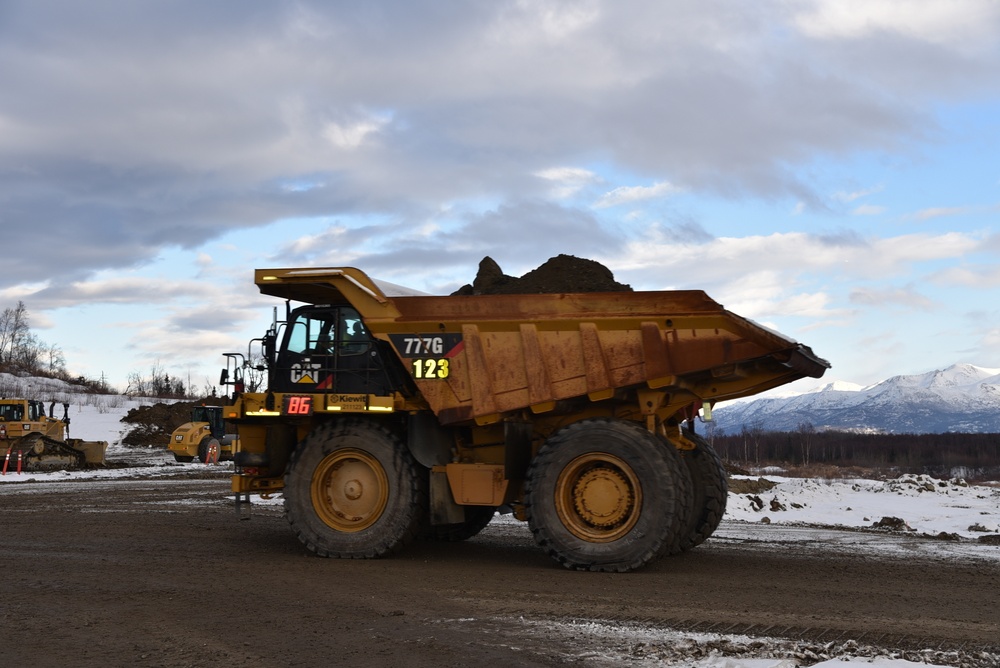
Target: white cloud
[(857, 194), (120, 289), (959, 24), (548, 20), (20, 292), (352, 135), (632, 194), (991, 339), (939, 212), (979, 277), (567, 181), (907, 297), (312, 243), (868, 210), (766, 276)]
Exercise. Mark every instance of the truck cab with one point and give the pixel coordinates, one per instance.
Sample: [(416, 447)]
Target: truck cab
[(328, 349)]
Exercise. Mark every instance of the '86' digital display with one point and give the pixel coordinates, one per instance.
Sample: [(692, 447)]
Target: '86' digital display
[(297, 404)]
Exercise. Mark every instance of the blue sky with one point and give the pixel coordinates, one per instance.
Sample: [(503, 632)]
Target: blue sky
[(825, 167)]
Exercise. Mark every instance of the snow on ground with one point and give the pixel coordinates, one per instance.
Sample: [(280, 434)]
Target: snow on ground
[(792, 510), (924, 504)]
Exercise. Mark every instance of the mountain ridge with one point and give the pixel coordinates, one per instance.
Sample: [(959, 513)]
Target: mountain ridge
[(960, 398)]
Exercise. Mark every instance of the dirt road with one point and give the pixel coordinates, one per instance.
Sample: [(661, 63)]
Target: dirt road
[(159, 572)]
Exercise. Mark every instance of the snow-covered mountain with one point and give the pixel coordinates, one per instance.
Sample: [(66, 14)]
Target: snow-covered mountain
[(961, 398)]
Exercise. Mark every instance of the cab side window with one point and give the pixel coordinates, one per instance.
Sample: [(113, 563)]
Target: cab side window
[(11, 412), (313, 334), (353, 337)]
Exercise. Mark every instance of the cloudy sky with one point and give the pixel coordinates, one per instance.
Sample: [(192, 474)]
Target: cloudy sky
[(826, 167)]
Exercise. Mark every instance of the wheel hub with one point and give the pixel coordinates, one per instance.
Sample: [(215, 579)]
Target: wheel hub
[(602, 497), (349, 490), (598, 497), (353, 490)]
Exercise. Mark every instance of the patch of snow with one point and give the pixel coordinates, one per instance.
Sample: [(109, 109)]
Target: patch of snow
[(927, 505)]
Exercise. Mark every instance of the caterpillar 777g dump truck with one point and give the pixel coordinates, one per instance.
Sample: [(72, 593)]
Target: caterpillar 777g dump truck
[(390, 416)]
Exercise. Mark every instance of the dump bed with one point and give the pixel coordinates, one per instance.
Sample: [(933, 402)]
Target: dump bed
[(479, 357)]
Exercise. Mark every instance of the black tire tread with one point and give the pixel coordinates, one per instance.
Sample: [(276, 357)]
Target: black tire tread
[(671, 494), (324, 541), (710, 492)]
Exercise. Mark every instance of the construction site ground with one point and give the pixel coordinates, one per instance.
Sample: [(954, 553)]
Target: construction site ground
[(158, 571)]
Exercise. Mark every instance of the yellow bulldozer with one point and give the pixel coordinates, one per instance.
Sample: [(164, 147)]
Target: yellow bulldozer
[(30, 440)]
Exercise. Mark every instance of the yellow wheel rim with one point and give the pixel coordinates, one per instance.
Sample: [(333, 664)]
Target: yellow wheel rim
[(598, 497), (349, 490)]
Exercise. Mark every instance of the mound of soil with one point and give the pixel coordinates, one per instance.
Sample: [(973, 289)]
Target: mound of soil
[(747, 486), (563, 273), (154, 424)]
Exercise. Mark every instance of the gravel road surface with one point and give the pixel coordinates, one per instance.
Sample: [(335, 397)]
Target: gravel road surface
[(160, 572)]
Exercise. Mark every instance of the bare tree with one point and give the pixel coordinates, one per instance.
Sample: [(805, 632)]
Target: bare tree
[(752, 434), (157, 384), (14, 332), (255, 373), (806, 431), (136, 385), (55, 360)]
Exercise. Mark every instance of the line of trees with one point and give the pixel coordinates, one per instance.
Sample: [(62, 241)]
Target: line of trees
[(23, 352), (936, 454), (157, 383)]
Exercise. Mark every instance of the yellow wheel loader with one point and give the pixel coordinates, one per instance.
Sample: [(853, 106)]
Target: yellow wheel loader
[(203, 438)]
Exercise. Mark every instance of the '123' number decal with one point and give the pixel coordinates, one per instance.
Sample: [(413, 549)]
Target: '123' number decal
[(430, 369)]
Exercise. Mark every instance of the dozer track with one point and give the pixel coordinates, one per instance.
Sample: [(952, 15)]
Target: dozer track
[(41, 453)]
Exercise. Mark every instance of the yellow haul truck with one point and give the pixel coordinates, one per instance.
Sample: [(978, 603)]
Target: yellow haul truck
[(386, 415), (33, 441)]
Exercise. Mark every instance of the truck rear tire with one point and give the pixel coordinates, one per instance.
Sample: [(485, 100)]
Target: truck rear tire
[(710, 491), (606, 495), (353, 491)]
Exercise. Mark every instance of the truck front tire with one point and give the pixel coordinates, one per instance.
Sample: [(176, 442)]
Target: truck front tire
[(606, 495), (353, 491)]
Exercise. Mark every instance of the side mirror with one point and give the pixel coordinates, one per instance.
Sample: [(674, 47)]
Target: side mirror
[(224, 377), (268, 344)]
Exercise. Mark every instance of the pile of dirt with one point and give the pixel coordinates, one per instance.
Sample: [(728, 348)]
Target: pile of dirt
[(563, 273), (748, 486), (154, 424), (892, 524)]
